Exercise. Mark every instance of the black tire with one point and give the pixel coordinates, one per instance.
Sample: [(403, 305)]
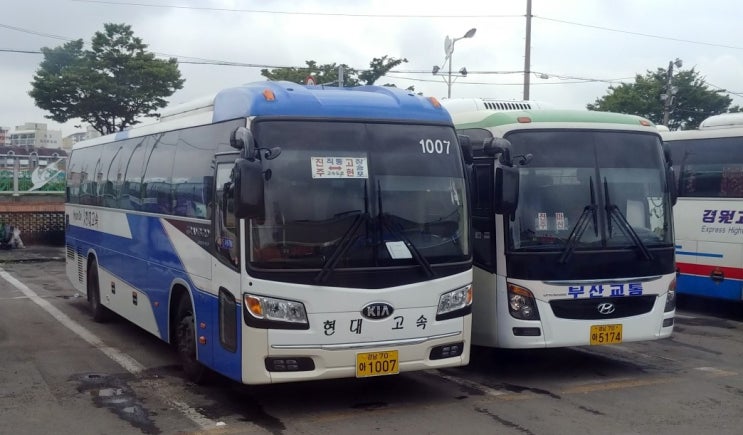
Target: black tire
[(186, 343), (100, 313)]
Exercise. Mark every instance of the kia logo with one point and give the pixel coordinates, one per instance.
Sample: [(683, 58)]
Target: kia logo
[(377, 310), (606, 308)]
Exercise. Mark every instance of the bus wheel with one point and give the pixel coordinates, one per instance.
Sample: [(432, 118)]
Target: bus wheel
[(186, 343), (100, 313)]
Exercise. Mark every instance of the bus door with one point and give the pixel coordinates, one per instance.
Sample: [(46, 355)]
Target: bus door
[(226, 315)]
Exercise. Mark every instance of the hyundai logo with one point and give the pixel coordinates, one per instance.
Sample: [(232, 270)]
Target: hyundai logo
[(377, 310), (606, 308)]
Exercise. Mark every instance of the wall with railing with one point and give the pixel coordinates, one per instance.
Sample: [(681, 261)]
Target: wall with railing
[(32, 200)]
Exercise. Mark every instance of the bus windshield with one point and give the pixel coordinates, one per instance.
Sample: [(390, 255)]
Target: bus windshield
[(359, 195), (590, 190)]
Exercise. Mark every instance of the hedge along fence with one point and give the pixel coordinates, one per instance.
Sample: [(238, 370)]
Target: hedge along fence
[(25, 183)]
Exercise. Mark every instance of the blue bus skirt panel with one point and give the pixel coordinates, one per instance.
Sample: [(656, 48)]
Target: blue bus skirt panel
[(153, 273), (704, 286), (213, 354)]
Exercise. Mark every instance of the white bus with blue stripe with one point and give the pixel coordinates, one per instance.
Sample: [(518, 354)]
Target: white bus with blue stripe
[(572, 227), (278, 232), (709, 213)]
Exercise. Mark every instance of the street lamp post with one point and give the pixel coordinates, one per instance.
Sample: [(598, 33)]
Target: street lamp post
[(671, 90), (449, 50)]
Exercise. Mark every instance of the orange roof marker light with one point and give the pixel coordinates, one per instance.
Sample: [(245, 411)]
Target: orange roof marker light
[(523, 119), (269, 95), (645, 122), (434, 102)]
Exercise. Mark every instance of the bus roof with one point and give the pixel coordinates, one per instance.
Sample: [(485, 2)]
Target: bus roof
[(550, 118), (723, 120), (281, 98), (710, 133), (363, 102)]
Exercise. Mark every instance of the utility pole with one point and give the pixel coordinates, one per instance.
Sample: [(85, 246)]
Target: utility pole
[(527, 52), (670, 94)]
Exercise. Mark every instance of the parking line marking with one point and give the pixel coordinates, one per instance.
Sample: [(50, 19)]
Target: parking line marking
[(715, 372), (616, 385), (127, 362)]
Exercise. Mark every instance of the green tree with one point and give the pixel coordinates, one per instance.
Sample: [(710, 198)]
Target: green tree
[(692, 103), (108, 86), (327, 74), (378, 68), (324, 74)]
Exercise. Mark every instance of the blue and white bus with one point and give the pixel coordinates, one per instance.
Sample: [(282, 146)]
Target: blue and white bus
[(277, 232), (572, 225), (709, 213)]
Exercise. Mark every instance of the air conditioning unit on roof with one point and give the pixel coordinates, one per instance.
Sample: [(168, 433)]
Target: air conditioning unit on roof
[(458, 105)]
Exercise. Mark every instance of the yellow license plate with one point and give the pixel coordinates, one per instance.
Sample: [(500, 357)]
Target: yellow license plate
[(606, 334), (377, 364)]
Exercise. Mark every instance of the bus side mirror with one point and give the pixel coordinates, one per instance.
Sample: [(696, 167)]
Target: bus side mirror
[(667, 154), (672, 187), (498, 145), (506, 189), (466, 144), (247, 188), (242, 139)]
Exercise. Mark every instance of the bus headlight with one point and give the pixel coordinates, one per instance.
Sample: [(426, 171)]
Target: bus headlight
[(456, 303), (671, 296), (521, 303), (267, 312)]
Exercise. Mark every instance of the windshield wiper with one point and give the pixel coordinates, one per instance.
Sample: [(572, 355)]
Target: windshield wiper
[(613, 211), (346, 241), (581, 225), (577, 233), (383, 217)]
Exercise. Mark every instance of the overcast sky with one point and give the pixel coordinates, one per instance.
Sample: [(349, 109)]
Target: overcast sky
[(578, 47)]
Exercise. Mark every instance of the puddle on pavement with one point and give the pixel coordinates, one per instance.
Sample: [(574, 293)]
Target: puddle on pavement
[(113, 393)]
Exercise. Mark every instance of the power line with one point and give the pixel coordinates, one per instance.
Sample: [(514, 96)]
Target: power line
[(32, 32), (575, 80), (326, 14), (647, 35), (202, 61), (342, 14), (197, 60), (468, 72), (737, 94), (544, 75), (393, 74), (10, 50), (495, 84)]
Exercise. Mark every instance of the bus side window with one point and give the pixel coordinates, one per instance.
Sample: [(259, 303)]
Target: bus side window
[(731, 185)]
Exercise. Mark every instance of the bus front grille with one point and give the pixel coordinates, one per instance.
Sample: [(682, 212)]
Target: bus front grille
[(602, 308)]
